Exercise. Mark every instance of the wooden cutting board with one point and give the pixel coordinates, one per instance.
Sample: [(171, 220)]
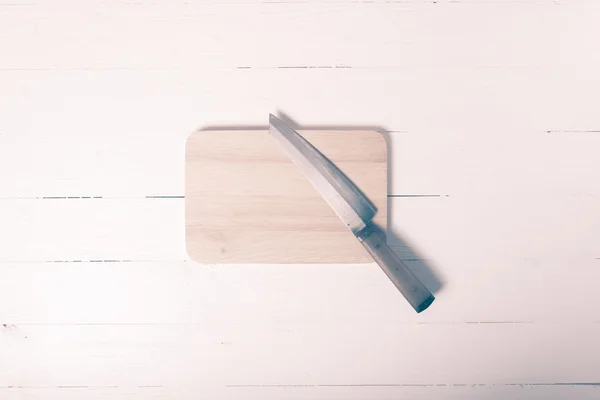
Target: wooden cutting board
[(246, 202)]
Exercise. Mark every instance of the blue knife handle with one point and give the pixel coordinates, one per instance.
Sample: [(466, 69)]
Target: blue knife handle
[(403, 278)]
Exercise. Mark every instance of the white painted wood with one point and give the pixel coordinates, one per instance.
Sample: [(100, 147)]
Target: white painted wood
[(493, 111), (459, 391), (202, 355), (169, 293), (49, 230)]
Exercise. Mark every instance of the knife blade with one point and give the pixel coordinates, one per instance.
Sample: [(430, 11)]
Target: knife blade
[(352, 207)]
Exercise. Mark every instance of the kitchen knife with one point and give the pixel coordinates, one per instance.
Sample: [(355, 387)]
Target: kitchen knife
[(352, 207)]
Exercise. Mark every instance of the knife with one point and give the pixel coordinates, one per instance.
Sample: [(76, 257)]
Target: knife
[(352, 207)]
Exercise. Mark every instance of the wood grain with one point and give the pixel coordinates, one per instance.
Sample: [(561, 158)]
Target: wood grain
[(246, 201), (493, 113)]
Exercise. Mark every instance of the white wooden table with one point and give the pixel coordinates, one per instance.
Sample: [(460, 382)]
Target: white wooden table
[(492, 109)]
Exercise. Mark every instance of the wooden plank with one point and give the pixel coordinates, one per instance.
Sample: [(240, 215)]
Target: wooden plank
[(519, 291), (83, 229), (498, 161), (246, 201), (215, 34), (199, 357), (444, 231), (307, 392), (48, 148)]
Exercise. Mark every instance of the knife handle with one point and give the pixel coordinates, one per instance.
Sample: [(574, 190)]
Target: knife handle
[(403, 278)]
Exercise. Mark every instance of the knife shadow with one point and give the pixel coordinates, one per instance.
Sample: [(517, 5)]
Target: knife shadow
[(423, 268)]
